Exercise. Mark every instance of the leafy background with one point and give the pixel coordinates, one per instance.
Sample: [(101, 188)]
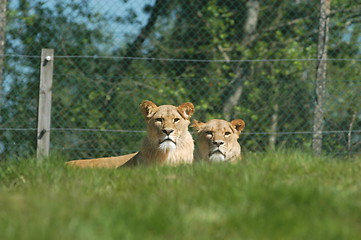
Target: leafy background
[(246, 59)]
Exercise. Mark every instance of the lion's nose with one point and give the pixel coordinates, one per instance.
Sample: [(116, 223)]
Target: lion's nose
[(218, 143), (167, 131)]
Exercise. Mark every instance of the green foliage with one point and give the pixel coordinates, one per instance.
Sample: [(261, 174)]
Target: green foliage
[(104, 93), (288, 195)]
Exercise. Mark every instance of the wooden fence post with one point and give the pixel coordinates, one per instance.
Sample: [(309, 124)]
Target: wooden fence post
[(44, 110)]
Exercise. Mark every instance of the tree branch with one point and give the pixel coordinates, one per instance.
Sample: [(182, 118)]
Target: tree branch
[(134, 47)]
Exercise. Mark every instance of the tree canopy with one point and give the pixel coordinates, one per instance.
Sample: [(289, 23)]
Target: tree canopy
[(248, 59)]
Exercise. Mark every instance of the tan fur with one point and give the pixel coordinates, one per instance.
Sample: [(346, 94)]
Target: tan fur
[(168, 140), (107, 162), (218, 140)]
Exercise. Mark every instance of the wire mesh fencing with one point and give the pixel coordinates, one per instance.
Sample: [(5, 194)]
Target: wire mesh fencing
[(254, 60)]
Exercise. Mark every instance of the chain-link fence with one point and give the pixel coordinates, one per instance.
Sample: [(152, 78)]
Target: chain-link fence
[(248, 59)]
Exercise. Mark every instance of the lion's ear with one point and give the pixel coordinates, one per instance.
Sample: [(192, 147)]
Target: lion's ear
[(148, 108), (197, 125), (186, 110), (238, 124)]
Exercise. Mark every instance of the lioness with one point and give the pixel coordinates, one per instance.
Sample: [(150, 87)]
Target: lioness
[(168, 140), (218, 140)]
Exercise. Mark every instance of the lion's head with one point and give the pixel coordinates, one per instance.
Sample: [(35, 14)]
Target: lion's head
[(218, 139), (168, 140), (167, 132)]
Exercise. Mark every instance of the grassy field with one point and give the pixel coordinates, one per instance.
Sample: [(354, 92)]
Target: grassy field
[(284, 195)]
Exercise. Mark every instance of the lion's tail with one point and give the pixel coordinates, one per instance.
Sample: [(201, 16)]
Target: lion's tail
[(107, 162)]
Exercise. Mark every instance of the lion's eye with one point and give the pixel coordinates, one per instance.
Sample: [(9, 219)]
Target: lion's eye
[(227, 133), (158, 120), (209, 132), (176, 120)]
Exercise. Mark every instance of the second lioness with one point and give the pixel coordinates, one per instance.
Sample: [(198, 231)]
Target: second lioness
[(218, 140)]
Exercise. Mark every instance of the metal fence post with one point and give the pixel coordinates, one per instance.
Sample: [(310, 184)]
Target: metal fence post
[(44, 110)]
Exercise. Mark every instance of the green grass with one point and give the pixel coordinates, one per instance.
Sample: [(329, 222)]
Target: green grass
[(283, 195)]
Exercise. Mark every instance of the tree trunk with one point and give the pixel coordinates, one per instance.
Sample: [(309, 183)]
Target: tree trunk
[(349, 137), (321, 67), (234, 93), (134, 47), (235, 87), (274, 126), (3, 6)]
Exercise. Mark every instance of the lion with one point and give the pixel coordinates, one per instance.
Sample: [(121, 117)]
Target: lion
[(168, 140), (218, 140)]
